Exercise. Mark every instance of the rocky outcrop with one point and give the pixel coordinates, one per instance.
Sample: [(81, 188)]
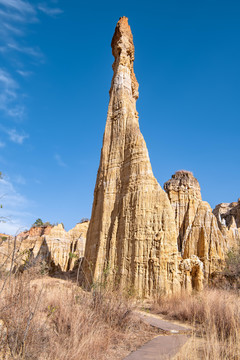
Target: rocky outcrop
[(131, 240), (191, 273), (197, 227), (51, 245), (228, 216), (184, 194)]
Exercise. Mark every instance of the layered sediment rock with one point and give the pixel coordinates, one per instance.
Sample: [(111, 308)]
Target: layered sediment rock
[(54, 246), (198, 230), (228, 216), (132, 237), (191, 273), (184, 194)]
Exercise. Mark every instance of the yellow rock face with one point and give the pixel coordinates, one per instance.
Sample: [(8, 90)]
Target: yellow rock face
[(228, 215), (131, 240), (52, 244), (185, 196), (198, 230)]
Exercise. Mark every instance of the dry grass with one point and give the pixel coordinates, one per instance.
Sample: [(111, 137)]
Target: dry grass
[(216, 317), (54, 319)]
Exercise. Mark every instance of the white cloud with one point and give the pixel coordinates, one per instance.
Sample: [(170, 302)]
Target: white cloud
[(13, 29), (10, 197), (18, 5), (7, 81), (10, 16), (2, 144), (59, 160), (26, 50), (13, 210), (9, 95), (15, 15), (49, 11), (24, 73), (16, 137), (12, 227)]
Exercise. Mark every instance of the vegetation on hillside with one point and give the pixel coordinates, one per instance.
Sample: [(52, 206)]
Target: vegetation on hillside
[(40, 223), (232, 268), (53, 319)]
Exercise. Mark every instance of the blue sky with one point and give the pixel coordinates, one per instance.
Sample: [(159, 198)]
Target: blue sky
[(55, 74)]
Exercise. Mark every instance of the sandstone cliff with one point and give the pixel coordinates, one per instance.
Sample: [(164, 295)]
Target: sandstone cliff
[(228, 216), (197, 227), (132, 238), (54, 246)]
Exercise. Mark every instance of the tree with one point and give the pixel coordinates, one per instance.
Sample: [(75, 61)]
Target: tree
[(38, 223), (83, 220)]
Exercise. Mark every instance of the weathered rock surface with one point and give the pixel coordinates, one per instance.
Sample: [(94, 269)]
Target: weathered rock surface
[(191, 273), (228, 216), (184, 194), (198, 230), (131, 239), (58, 248)]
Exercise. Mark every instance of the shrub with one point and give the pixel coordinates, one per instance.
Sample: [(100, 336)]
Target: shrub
[(83, 220), (215, 314), (233, 263), (53, 319)]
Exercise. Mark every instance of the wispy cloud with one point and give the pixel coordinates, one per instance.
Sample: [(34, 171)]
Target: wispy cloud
[(35, 52), (16, 137), (14, 205), (19, 5), (24, 73), (2, 144), (9, 95), (59, 160), (7, 81), (13, 29), (49, 11), (12, 16), (15, 16)]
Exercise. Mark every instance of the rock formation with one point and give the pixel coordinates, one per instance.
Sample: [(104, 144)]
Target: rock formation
[(228, 216), (140, 238), (184, 194), (131, 239), (197, 227), (54, 246)]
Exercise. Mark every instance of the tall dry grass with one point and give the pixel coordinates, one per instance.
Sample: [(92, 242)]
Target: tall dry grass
[(215, 314), (56, 320)]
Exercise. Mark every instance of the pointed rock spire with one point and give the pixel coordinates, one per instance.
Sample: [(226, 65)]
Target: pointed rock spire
[(131, 240)]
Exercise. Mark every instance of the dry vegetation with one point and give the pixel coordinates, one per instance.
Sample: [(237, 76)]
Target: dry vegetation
[(216, 316), (53, 319)]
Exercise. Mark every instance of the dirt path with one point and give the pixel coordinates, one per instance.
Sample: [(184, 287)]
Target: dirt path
[(164, 346)]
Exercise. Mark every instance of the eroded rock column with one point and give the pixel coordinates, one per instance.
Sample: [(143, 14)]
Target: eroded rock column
[(131, 240)]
